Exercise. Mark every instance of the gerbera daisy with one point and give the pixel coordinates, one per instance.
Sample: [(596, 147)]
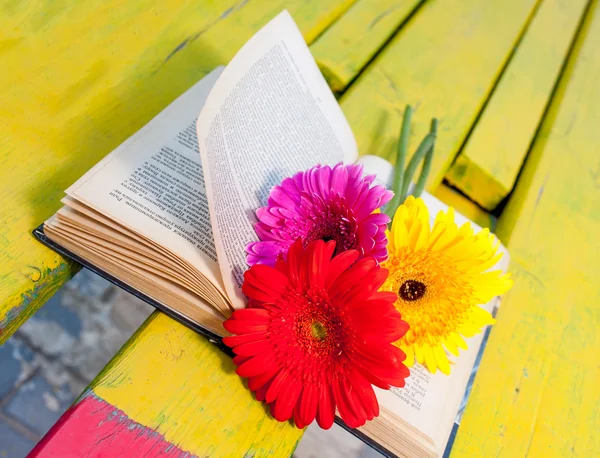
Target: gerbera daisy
[(441, 276), (317, 334), (323, 203)]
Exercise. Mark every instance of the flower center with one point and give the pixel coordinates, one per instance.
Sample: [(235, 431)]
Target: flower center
[(332, 222), (412, 290), (434, 296), (319, 331), (340, 232), (310, 335)]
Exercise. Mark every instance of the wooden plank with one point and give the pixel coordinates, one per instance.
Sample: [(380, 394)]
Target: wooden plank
[(349, 44), (167, 393), (537, 390), (465, 206), (487, 167), (82, 79), (444, 63)]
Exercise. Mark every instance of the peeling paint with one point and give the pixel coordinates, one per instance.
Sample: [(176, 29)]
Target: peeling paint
[(44, 286), (91, 422)]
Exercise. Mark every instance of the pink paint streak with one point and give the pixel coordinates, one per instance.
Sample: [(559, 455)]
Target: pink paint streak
[(92, 428)]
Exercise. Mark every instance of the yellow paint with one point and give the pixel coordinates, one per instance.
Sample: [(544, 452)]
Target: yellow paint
[(537, 393), (465, 206), (77, 79), (172, 380), (488, 165), (444, 63), (348, 45), (86, 75)]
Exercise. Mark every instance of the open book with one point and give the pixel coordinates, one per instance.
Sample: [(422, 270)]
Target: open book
[(169, 212)]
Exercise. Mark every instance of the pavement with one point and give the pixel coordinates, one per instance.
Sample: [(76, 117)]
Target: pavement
[(50, 360), (46, 365)]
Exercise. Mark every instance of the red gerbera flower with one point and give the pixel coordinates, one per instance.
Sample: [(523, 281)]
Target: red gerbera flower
[(317, 334)]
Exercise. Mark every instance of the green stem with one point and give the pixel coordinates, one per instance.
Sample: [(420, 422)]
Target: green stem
[(400, 160), (423, 148), (426, 162)]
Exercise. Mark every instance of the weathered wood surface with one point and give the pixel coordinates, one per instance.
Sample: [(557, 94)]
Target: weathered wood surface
[(488, 165), (465, 206), (168, 392), (77, 79), (537, 393), (444, 63), (346, 47)]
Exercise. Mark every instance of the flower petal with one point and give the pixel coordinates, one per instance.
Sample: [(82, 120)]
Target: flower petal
[(326, 412), (365, 394), (339, 179), (283, 406), (309, 402), (267, 279), (257, 365), (278, 381), (348, 410), (233, 341), (338, 265), (244, 327), (281, 197), (253, 348), (262, 380)]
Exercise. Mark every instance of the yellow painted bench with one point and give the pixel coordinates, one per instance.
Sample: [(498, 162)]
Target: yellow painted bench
[(169, 391), (444, 63), (347, 46), (488, 165), (538, 389)]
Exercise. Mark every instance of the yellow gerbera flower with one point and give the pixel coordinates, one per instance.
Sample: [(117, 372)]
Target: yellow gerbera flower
[(441, 276)]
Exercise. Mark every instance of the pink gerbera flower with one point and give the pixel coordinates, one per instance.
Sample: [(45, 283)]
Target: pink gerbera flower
[(323, 203)]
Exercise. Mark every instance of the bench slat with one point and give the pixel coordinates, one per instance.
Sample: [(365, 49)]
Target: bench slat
[(168, 391), (444, 63), (84, 78), (348, 45), (465, 206), (537, 393), (487, 167)]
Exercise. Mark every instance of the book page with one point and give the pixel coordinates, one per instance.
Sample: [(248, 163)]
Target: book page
[(271, 114), (153, 184), (429, 402)]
